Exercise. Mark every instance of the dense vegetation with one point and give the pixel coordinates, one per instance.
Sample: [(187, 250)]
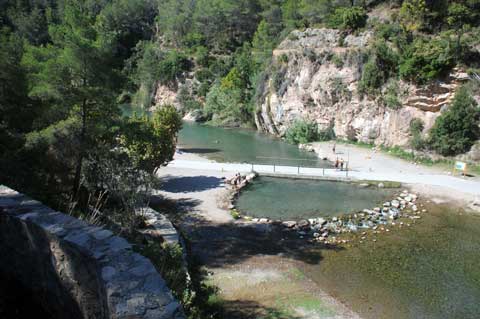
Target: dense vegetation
[(67, 67)]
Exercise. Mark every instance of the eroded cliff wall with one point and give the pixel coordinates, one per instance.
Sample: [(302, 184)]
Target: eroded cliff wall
[(314, 76)]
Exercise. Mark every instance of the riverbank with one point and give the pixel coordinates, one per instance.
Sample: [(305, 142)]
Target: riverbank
[(250, 262), (257, 268)]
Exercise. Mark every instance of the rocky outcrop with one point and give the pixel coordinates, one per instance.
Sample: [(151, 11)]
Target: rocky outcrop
[(75, 270), (314, 76)]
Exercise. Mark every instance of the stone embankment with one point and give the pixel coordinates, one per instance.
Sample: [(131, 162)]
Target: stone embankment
[(77, 270)]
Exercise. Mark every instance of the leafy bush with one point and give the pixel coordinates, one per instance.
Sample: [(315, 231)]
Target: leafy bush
[(235, 214), (168, 260), (378, 69), (426, 60), (302, 132), (337, 60), (348, 18), (173, 65), (416, 129), (390, 98), (150, 142), (457, 129)]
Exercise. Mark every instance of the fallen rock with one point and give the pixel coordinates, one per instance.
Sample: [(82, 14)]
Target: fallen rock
[(395, 203), (321, 221), (303, 223), (289, 224)]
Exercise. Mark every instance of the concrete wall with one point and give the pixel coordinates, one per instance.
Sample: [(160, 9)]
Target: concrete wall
[(75, 270)]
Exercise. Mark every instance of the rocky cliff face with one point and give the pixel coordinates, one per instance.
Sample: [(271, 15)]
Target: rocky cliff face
[(314, 76)]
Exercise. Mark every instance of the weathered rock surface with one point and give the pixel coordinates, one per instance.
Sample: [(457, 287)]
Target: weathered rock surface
[(316, 78), (77, 270)]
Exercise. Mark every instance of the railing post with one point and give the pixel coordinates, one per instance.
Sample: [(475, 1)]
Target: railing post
[(252, 168), (323, 171), (274, 168), (298, 170)]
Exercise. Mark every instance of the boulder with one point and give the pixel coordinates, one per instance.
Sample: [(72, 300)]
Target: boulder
[(289, 224), (303, 223), (321, 221), (395, 203)]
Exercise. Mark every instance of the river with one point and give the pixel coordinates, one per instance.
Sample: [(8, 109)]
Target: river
[(243, 145), (428, 270)]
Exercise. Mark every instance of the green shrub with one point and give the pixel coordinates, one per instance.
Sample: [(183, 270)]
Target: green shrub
[(457, 129), (235, 214), (426, 60), (379, 68), (371, 79), (348, 18), (168, 260), (283, 58), (390, 98), (337, 60), (302, 132), (416, 129), (172, 66)]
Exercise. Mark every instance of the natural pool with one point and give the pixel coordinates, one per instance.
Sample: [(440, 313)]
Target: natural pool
[(237, 145), (284, 199), (429, 270), (243, 145)]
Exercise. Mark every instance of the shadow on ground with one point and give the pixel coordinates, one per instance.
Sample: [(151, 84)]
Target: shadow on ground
[(189, 184), (217, 245), (241, 309)]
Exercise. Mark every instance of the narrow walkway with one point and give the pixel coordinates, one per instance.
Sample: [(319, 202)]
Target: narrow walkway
[(455, 183)]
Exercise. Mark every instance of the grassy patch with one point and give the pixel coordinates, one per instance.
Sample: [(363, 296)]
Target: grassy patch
[(386, 184), (235, 214), (309, 305), (296, 273)]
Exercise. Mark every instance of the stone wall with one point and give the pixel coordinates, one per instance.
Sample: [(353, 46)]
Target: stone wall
[(75, 270)]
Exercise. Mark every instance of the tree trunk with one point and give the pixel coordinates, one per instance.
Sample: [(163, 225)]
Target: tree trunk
[(81, 154)]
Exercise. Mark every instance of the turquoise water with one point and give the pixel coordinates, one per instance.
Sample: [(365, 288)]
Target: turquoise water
[(242, 145), (429, 270), (284, 199), (238, 145)]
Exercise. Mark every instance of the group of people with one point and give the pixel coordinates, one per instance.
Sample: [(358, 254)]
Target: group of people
[(339, 163)]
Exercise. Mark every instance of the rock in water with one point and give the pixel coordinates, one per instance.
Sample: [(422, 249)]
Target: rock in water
[(303, 223), (289, 224)]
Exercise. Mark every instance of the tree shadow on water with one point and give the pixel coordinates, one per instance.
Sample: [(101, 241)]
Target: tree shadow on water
[(200, 150)]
